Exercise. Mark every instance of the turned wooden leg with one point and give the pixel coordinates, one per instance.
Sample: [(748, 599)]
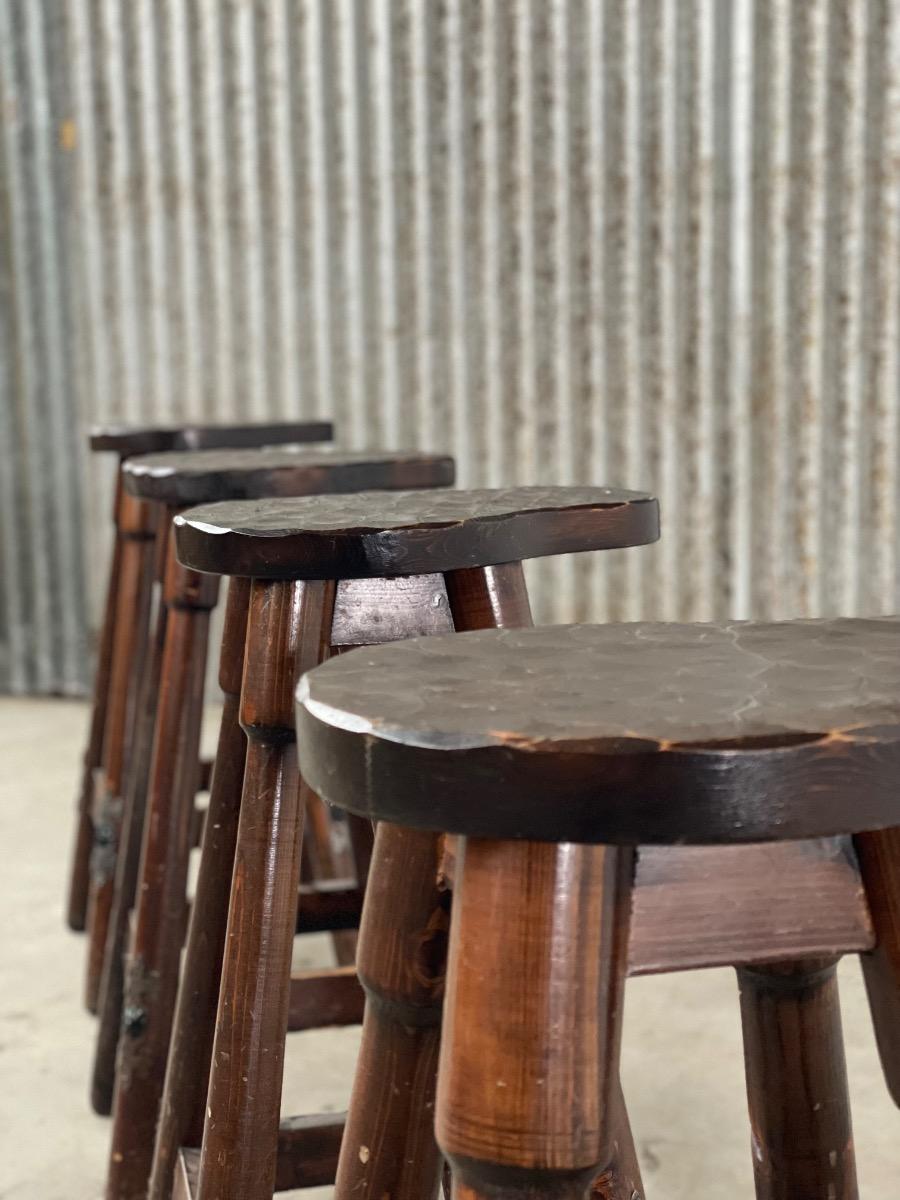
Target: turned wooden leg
[(879, 860), (797, 1082), (183, 1105), (112, 981), (79, 880), (288, 626), (152, 968), (388, 1147), (529, 1060), (129, 644)]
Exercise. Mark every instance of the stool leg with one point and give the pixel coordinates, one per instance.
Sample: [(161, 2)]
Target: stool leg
[(529, 1060), (112, 981), (152, 967), (497, 596), (79, 881), (289, 625), (389, 1147), (622, 1178), (183, 1105), (879, 860), (797, 1082), (129, 643)]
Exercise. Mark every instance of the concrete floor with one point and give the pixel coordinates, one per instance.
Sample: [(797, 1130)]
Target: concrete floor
[(682, 1057)]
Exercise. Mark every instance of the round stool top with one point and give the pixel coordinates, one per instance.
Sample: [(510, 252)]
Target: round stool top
[(619, 733), (127, 440), (204, 476), (409, 533)]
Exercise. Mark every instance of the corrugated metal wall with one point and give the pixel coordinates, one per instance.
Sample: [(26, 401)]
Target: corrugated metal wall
[(654, 244)]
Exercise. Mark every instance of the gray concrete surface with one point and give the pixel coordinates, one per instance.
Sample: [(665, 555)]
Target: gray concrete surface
[(682, 1069)]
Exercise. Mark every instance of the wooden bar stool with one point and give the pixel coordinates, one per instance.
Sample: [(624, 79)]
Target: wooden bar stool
[(329, 574), (110, 706), (136, 1012), (553, 753)]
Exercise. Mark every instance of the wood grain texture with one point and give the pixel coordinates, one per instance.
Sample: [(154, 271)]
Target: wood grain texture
[(325, 997), (160, 911), (879, 858), (370, 611), (529, 1059), (410, 533), (389, 1147), (127, 440), (79, 876), (287, 631), (643, 734), (127, 859), (138, 527), (307, 1156), (782, 901), (183, 1106), (308, 1151), (207, 476), (802, 1144)]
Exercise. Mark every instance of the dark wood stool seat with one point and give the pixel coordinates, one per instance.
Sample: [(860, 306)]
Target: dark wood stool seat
[(128, 440), (554, 753), (364, 536), (621, 734), (183, 478), (331, 574)]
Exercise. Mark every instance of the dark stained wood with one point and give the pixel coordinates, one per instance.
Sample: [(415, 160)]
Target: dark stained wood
[(410, 533), (644, 733), (138, 522), (322, 998), (307, 1156), (239, 1098), (329, 905), (128, 440), (879, 858), (79, 880), (152, 969), (288, 630), (494, 597), (389, 1147), (797, 1082), (525, 1099), (783, 900), (308, 1150), (127, 861), (183, 1105), (209, 476), (621, 1178)]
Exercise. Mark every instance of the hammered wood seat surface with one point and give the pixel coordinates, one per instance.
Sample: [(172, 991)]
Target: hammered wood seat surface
[(409, 533), (621, 733), (126, 440), (204, 476)]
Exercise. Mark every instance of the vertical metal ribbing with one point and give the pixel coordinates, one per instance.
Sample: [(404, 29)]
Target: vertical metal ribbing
[(738, 463), (882, 331), (647, 244), (17, 657), (458, 103)]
